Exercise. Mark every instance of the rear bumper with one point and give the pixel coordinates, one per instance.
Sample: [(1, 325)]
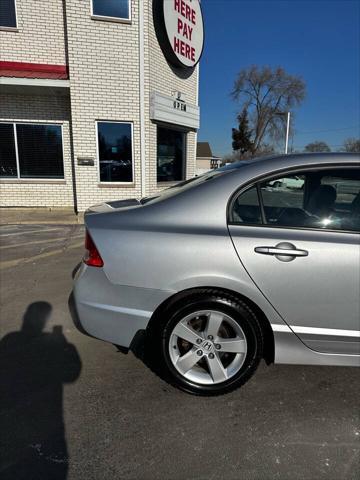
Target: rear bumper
[(114, 313)]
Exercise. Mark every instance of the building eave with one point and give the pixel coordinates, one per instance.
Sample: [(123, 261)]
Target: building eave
[(35, 82), (33, 70)]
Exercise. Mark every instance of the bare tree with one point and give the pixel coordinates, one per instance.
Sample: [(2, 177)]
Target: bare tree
[(317, 146), (267, 94), (352, 145)]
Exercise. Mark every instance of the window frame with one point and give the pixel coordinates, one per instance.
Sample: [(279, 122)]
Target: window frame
[(109, 18), (15, 28), (184, 132), (281, 173), (18, 178), (126, 122)]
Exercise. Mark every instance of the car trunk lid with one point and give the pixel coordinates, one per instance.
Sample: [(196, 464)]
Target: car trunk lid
[(111, 206)]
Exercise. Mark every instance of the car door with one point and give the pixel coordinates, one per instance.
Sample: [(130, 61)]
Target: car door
[(301, 248)]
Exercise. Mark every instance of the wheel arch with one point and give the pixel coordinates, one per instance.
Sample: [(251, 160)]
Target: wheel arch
[(171, 302)]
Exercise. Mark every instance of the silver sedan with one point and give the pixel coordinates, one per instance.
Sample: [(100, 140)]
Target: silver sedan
[(254, 260)]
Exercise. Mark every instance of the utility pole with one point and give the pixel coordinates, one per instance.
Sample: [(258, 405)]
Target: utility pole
[(287, 133)]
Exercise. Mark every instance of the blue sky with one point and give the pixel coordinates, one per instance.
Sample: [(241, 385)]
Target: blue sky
[(317, 39)]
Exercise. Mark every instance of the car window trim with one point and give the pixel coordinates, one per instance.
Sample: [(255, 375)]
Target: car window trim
[(306, 229), (261, 178), (261, 204)]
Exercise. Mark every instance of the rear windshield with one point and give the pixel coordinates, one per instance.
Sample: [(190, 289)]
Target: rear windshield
[(192, 182)]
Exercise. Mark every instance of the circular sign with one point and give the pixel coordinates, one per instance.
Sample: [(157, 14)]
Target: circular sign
[(180, 30)]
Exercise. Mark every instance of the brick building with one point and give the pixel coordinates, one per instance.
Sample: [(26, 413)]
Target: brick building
[(98, 99)]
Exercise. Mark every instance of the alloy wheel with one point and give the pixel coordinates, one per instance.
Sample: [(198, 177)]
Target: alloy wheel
[(207, 347)]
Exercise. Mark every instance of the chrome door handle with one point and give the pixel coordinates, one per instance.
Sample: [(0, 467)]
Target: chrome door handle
[(281, 251)]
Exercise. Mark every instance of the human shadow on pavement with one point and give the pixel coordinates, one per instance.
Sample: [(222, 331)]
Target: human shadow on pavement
[(34, 365)]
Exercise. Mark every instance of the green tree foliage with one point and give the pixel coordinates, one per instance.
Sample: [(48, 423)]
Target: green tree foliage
[(241, 137)]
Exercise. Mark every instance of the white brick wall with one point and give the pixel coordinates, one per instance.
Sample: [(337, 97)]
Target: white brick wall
[(40, 36), (41, 109), (104, 85), (163, 78), (104, 76)]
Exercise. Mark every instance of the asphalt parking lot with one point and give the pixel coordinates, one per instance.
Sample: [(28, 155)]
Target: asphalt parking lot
[(72, 407)]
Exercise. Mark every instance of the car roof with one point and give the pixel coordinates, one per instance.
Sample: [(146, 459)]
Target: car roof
[(298, 159), (231, 176), (279, 163)]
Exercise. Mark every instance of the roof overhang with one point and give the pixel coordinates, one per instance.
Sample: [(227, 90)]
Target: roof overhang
[(34, 70), (33, 78), (34, 86)]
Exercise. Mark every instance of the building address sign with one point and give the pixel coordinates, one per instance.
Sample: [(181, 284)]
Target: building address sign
[(180, 30), (170, 110), (178, 105)]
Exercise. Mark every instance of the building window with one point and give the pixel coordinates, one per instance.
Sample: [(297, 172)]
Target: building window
[(171, 153), (7, 13), (40, 151), (115, 151), (111, 8), (31, 151), (7, 151)]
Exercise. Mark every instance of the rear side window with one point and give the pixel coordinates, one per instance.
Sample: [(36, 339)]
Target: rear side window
[(323, 199), (246, 208)]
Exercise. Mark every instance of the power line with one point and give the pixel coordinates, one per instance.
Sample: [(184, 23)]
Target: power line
[(328, 130)]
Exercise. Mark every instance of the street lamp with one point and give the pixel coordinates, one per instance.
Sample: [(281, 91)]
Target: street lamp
[(287, 132), (287, 129)]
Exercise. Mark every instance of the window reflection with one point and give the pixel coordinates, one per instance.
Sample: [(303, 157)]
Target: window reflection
[(40, 151), (112, 8), (7, 13), (324, 199), (170, 155), (246, 208), (115, 152), (8, 167)]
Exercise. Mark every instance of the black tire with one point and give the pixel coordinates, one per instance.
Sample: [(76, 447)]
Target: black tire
[(205, 299)]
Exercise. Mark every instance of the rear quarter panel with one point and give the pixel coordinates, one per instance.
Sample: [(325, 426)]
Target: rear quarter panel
[(176, 244)]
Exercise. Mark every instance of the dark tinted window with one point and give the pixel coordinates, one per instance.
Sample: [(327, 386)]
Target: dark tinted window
[(40, 151), (339, 207), (7, 151), (283, 200), (324, 199), (7, 13), (246, 208), (115, 152), (171, 147), (112, 8)]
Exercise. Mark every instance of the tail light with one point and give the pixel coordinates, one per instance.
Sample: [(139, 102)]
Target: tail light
[(92, 256)]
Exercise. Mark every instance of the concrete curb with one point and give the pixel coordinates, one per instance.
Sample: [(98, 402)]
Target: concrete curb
[(40, 216), (39, 222)]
